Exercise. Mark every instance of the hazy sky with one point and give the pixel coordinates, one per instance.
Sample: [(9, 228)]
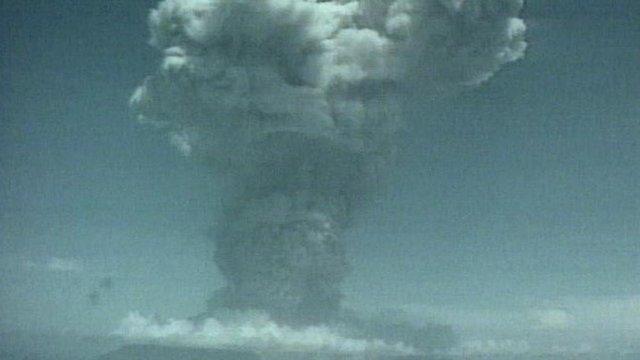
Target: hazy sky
[(514, 207)]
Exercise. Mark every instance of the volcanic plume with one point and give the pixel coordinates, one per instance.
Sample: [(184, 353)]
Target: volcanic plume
[(295, 104)]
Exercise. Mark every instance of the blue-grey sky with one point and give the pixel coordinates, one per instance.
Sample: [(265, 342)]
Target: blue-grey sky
[(515, 199)]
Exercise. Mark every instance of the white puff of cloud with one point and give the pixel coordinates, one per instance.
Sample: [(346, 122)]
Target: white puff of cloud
[(491, 347), (56, 264), (552, 319), (63, 265), (251, 331)]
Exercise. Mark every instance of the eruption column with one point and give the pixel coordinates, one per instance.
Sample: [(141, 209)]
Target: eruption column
[(294, 103)]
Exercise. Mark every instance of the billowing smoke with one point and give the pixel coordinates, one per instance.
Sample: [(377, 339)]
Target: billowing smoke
[(294, 103)]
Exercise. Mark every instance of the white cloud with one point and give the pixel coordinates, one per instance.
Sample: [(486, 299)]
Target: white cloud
[(552, 319), (181, 142), (63, 265), (55, 264), (492, 347), (251, 331), (605, 314), (565, 325)]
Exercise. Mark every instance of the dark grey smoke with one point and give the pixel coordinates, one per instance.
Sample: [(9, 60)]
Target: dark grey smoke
[(94, 297), (104, 286), (106, 283), (280, 246)]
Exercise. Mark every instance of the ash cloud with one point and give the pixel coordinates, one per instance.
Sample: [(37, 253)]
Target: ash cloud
[(295, 104), (103, 288)]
